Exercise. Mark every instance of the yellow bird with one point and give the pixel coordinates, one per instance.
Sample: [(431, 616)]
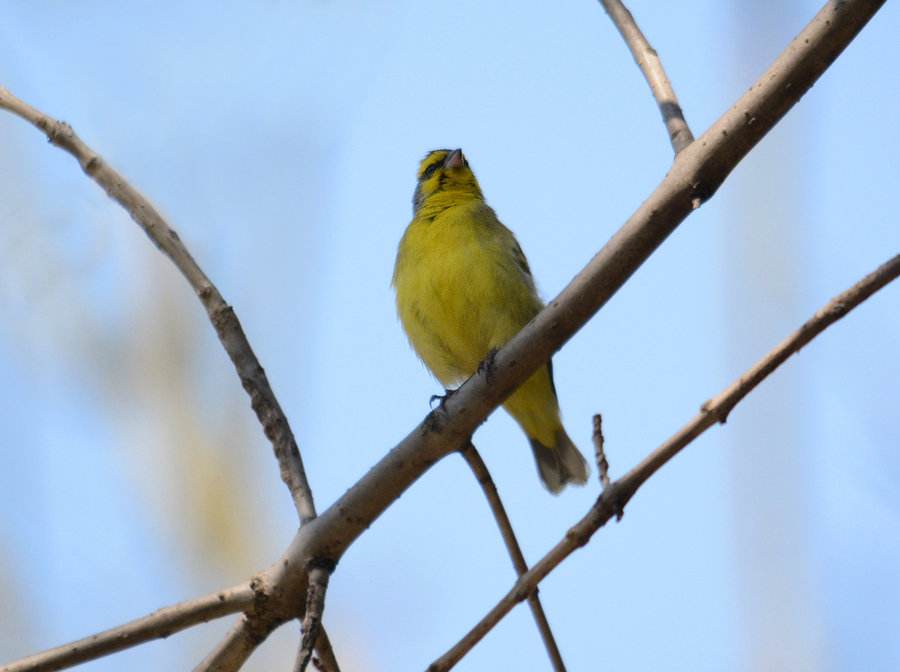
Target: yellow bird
[(463, 290)]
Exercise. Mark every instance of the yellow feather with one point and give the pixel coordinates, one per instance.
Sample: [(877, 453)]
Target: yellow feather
[(464, 288)]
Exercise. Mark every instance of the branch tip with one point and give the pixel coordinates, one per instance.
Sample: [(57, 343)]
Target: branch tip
[(651, 67)]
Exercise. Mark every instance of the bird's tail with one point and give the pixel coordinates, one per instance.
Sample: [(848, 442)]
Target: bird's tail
[(559, 464)]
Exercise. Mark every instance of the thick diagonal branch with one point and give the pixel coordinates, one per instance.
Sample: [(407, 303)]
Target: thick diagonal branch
[(620, 492), (222, 315), (648, 61), (483, 476)]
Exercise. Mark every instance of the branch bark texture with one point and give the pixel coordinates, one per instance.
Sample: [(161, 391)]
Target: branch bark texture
[(312, 619)]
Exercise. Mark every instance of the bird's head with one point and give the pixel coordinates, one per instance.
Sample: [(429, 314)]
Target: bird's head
[(444, 175)]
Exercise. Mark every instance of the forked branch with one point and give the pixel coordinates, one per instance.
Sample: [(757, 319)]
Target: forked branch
[(238, 644)]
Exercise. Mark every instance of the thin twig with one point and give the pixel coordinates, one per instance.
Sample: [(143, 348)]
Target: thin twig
[(312, 619), (159, 624), (222, 315), (600, 452), (483, 476), (600, 457), (620, 492), (325, 660), (648, 61), (238, 644)]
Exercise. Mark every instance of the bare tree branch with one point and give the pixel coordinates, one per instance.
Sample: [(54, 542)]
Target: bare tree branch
[(648, 61), (483, 476), (237, 646), (222, 315), (312, 619), (325, 660), (620, 492), (267, 614), (158, 625)]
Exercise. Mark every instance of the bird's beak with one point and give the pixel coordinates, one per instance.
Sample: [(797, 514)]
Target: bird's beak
[(455, 159)]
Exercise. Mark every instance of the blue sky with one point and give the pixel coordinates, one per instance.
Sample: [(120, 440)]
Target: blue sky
[(281, 139)]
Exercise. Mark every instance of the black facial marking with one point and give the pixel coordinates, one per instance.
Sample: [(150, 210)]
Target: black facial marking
[(418, 198), (430, 170)]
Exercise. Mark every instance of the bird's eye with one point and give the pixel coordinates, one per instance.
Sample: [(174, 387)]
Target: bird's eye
[(430, 170)]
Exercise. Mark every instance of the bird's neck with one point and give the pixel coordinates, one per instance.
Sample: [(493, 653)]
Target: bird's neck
[(438, 202)]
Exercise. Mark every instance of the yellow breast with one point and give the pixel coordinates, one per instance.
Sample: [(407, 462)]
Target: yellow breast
[(461, 288)]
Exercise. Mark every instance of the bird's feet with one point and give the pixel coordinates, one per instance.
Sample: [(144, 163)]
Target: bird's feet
[(486, 366), (434, 420), (441, 398)]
